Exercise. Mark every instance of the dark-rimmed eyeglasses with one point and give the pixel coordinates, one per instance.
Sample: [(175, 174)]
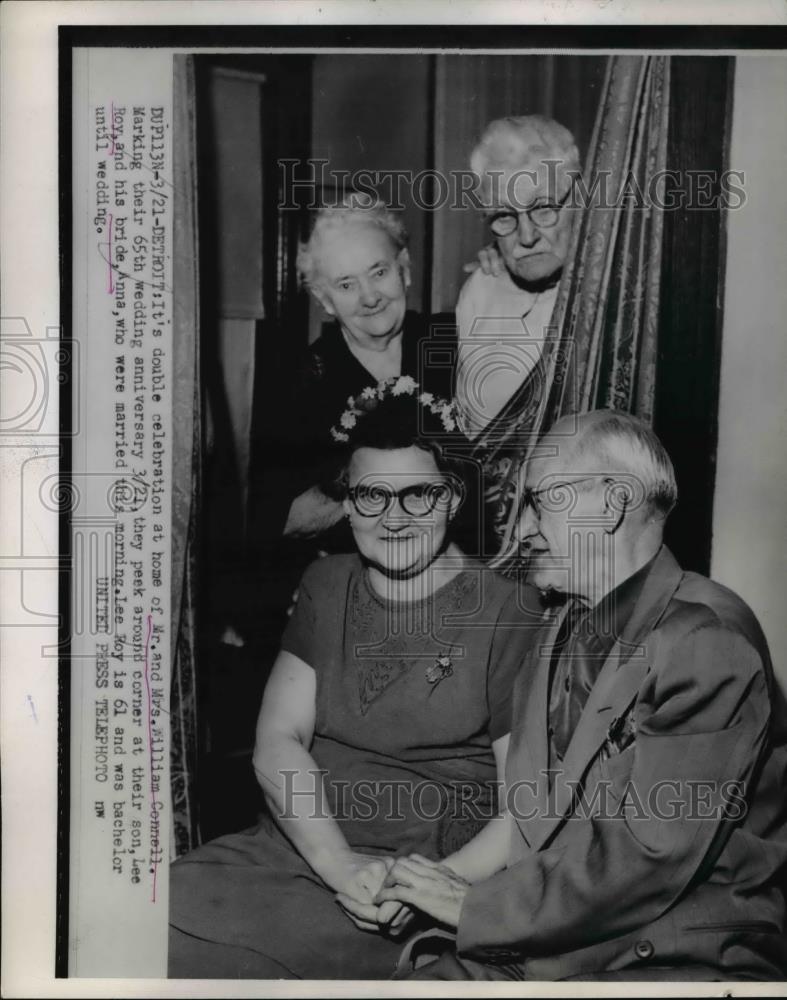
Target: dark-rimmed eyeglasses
[(543, 216), (417, 500), (556, 493)]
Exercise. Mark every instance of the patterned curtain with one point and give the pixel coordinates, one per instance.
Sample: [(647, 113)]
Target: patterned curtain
[(601, 348), (186, 472)]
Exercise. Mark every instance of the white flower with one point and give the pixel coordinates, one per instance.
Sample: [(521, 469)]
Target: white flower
[(449, 423), (369, 392), (348, 419), (350, 402), (338, 435), (426, 398), (404, 384)]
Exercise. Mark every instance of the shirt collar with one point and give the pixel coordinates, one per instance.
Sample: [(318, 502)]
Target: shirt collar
[(607, 620)]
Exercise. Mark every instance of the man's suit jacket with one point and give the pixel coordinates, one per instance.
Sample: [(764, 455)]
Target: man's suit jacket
[(683, 735)]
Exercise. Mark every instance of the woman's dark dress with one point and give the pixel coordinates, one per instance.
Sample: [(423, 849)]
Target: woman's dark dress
[(416, 757)]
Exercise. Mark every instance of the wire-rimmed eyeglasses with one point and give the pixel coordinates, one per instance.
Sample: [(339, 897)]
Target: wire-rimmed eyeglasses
[(530, 497), (542, 216)]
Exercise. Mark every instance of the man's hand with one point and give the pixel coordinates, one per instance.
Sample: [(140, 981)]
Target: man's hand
[(430, 887), (311, 513), (489, 260)]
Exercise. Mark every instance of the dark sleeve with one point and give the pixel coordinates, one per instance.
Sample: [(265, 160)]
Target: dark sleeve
[(321, 392), (302, 630), (285, 450), (515, 630), (438, 354)]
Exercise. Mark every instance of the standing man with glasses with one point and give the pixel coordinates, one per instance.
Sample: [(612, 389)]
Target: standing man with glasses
[(526, 168), (646, 774)]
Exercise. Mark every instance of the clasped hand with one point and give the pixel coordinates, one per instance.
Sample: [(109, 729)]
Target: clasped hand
[(384, 892), (357, 896)]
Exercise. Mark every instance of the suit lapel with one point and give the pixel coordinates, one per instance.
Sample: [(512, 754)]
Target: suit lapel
[(614, 690), (531, 751)]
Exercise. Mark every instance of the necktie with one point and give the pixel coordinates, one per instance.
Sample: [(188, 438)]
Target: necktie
[(574, 673)]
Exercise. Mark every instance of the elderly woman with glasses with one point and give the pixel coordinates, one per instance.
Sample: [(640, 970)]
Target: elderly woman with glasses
[(384, 725), (526, 167)]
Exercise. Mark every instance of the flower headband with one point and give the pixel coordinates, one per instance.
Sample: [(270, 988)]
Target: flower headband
[(401, 385)]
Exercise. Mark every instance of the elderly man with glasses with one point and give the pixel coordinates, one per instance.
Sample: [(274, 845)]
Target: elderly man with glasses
[(644, 834), (526, 167)]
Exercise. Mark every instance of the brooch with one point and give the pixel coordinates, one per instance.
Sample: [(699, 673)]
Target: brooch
[(621, 734), (441, 668)]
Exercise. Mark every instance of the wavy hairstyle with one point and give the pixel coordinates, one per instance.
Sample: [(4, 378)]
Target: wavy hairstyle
[(353, 209), (523, 143)]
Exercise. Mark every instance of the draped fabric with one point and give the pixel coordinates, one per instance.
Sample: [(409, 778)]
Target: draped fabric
[(186, 471), (601, 347)]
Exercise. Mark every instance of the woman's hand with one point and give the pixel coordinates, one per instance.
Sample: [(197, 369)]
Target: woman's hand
[(358, 880), (392, 917), (363, 880), (427, 885), (360, 875)]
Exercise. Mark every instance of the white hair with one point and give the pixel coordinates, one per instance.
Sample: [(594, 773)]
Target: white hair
[(353, 209), (622, 443), (523, 143)]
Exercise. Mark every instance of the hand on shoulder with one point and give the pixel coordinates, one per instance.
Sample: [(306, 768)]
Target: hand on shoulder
[(489, 261)]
